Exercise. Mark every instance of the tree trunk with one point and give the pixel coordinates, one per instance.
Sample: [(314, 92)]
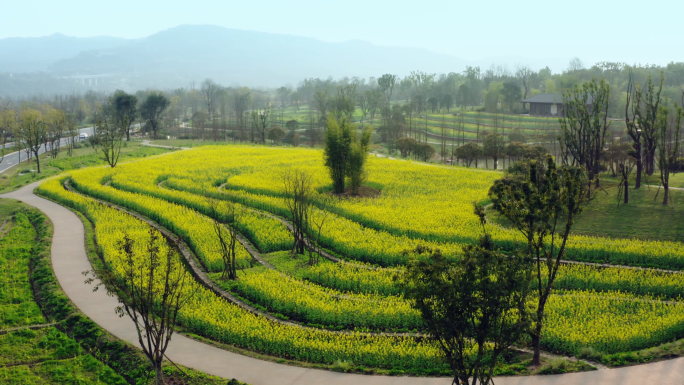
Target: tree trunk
[(667, 193), (38, 161), (627, 191), (158, 375), (650, 164), (639, 168), (596, 171), (536, 356)]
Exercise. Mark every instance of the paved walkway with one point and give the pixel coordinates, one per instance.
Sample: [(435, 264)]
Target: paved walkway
[(69, 260)]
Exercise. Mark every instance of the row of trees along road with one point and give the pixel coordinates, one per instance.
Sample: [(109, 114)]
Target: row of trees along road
[(50, 126), (31, 129)]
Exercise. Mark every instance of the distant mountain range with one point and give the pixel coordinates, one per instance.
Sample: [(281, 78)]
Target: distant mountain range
[(31, 54), (180, 55), (186, 53)]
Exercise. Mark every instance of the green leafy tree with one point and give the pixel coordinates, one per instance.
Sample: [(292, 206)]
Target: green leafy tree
[(356, 165), (125, 109), (292, 125), (491, 102), (493, 147), (344, 103), (364, 104), (386, 85), (338, 140), (374, 99), (515, 150), (474, 307), (283, 94), (464, 95), (322, 102), (424, 151), (468, 153), (152, 109), (406, 146), (511, 95), (433, 101), (517, 136), (542, 203), (275, 134), (345, 153), (447, 101)]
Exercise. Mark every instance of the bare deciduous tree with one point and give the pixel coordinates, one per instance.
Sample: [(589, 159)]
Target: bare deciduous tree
[(152, 288), (585, 125), (108, 139), (322, 102), (318, 217), (8, 123), (227, 234), (668, 141), (298, 195), (260, 124), (646, 117), (524, 75), (32, 132), (632, 106)]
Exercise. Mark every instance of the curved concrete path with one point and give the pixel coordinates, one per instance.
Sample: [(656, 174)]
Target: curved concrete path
[(69, 259)]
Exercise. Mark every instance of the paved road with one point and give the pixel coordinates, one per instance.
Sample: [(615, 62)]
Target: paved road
[(12, 159), (69, 260)]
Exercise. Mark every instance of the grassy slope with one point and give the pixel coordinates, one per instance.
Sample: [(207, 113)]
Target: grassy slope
[(642, 218), (189, 143), (48, 356), (45, 356)]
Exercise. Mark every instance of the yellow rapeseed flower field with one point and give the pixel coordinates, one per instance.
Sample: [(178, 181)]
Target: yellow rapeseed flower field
[(607, 309)]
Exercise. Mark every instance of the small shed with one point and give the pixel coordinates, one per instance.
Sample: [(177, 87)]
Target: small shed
[(545, 105)]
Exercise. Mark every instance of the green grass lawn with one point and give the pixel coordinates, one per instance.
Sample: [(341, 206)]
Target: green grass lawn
[(676, 180), (44, 356), (24, 173), (643, 218), (189, 142), (48, 356)]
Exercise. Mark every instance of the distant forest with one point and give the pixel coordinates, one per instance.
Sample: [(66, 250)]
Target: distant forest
[(496, 89)]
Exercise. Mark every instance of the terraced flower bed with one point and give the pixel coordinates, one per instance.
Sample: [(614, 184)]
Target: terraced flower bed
[(609, 310)]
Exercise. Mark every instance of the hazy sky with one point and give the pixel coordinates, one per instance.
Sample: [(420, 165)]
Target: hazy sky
[(595, 30)]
